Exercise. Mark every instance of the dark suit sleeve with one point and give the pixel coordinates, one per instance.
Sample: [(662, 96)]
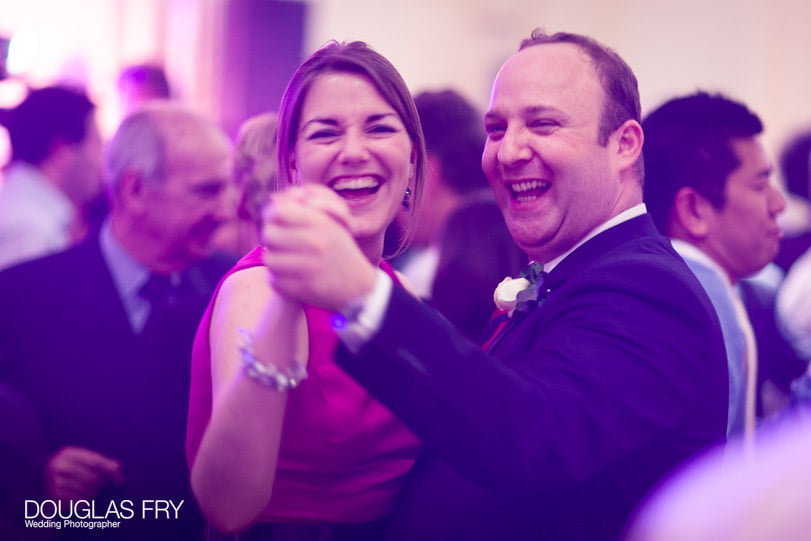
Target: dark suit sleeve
[(603, 369)]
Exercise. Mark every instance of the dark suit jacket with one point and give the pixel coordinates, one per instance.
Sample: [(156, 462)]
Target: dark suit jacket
[(778, 362), (576, 412), (22, 457), (66, 342)]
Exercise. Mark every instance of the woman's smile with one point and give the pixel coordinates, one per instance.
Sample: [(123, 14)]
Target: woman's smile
[(356, 187)]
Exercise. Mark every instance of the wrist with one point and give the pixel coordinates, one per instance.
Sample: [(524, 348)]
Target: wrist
[(279, 376), (352, 307), (359, 320)]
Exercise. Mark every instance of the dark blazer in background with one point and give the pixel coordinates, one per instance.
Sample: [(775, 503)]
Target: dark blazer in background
[(66, 343), (574, 414), (778, 362), (22, 459)]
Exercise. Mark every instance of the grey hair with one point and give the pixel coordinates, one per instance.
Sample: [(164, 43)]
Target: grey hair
[(139, 145)]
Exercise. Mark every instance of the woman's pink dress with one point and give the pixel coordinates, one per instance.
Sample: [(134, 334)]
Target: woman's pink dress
[(343, 455)]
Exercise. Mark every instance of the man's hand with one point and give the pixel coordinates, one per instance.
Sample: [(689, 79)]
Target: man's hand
[(74, 473), (310, 251)]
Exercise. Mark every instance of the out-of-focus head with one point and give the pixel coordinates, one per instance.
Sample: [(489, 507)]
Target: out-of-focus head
[(169, 172), (255, 164), (142, 83), (46, 117), (708, 180), (454, 139), (346, 137), (563, 150), (54, 128), (795, 165), (453, 133)]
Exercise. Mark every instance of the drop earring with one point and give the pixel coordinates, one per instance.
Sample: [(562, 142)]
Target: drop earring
[(407, 199)]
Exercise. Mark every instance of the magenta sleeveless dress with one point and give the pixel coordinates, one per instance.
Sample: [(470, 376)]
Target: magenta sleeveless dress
[(343, 456)]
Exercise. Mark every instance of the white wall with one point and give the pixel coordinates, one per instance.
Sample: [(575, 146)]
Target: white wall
[(754, 50)]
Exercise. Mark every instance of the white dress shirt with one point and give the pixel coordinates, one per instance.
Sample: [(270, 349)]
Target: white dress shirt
[(35, 216)]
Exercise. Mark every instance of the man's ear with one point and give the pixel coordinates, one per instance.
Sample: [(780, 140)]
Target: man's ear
[(132, 190), (629, 139), (691, 212)]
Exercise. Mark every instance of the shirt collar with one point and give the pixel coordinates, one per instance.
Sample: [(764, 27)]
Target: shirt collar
[(128, 274), (624, 216), (689, 251)]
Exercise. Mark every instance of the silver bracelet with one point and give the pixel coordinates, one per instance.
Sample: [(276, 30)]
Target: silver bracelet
[(267, 374)]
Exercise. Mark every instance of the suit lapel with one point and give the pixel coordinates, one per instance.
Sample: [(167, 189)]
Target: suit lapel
[(578, 261), (581, 259), (94, 281)]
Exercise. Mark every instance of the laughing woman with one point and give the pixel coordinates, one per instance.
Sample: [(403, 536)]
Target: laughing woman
[(282, 442)]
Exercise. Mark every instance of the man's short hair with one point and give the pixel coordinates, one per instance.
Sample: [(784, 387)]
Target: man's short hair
[(454, 134), (616, 78), (45, 117), (688, 142)]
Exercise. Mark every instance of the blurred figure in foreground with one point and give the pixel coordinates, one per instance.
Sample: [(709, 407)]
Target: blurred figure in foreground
[(732, 495)]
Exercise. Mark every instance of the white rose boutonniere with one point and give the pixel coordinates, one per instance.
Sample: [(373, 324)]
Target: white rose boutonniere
[(523, 293), (506, 294)]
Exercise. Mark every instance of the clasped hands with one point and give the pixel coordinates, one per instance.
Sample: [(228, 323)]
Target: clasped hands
[(311, 251)]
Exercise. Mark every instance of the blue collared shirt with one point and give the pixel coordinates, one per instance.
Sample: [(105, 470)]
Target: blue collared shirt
[(129, 276)]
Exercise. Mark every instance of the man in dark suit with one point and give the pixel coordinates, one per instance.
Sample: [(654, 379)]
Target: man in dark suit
[(99, 337), (607, 374)]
